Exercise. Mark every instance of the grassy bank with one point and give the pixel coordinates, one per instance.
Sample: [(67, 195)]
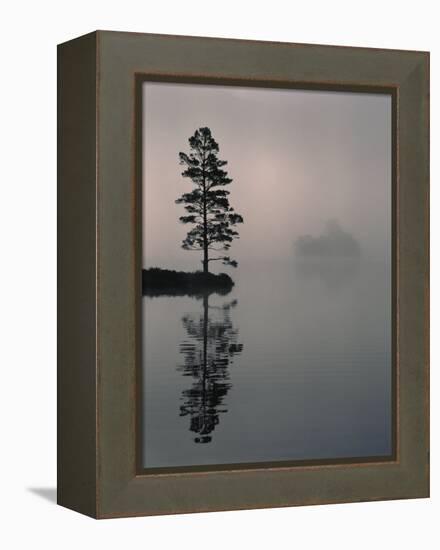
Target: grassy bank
[(157, 282)]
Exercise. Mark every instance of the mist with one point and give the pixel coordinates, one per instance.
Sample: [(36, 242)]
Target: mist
[(297, 158)]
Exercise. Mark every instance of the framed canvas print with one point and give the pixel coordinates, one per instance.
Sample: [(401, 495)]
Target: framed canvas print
[(243, 274)]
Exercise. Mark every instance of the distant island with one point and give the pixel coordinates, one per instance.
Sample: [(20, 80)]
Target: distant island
[(334, 243), (160, 282)]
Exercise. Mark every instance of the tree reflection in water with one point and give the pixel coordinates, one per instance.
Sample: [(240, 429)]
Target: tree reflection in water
[(209, 349)]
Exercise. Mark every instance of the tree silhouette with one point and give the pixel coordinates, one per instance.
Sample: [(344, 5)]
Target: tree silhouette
[(209, 349), (207, 205)]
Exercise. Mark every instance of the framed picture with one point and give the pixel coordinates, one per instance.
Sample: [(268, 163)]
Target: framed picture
[(243, 274)]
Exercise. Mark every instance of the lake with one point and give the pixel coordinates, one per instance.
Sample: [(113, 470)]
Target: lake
[(293, 364)]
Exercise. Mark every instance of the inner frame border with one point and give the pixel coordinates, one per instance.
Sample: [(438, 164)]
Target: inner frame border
[(392, 90)]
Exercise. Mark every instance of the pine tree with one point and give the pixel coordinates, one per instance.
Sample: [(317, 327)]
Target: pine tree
[(207, 205)]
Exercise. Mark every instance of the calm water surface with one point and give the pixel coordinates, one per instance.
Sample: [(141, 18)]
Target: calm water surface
[(294, 363)]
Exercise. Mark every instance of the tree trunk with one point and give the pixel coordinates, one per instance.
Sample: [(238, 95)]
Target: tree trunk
[(205, 230), (205, 259)]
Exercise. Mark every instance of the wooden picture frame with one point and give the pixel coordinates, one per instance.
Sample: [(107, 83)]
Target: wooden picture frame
[(99, 229)]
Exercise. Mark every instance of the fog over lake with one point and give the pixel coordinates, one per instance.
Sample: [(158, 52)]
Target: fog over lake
[(295, 362)]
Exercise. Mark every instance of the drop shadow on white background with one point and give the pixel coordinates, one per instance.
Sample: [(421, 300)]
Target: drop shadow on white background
[(47, 493)]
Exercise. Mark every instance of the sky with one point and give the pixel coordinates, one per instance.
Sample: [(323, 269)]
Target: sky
[(300, 160)]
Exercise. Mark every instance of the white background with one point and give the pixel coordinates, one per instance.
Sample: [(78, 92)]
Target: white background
[(30, 31)]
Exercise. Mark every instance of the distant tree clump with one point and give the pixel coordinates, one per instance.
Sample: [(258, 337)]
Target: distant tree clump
[(207, 205), (335, 242)]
